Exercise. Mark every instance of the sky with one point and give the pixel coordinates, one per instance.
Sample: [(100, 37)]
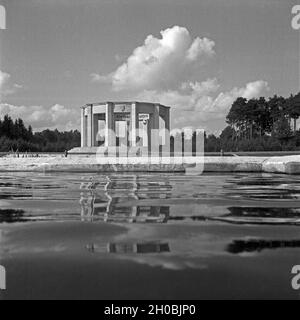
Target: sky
[(196, 56)]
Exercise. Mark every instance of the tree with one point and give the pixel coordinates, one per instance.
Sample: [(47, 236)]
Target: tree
[(212, 143), (276, 108), (282, 129), (293, 109), (236, 116)]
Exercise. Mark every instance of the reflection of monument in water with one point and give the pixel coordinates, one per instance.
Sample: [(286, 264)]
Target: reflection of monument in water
[(115, 199), (141, 248), (131, 248)]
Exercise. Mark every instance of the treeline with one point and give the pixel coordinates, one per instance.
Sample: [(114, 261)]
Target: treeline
[(15, 136), (259, 125)]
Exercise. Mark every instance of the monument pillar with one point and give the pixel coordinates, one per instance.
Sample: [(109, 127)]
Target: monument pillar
[(167, 129), (153, 132), (96, 129), (83, 128), (110, 136), (90, 126), (167, 120), (166, 139), (134, 124)]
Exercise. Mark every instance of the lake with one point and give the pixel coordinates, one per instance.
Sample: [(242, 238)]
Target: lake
[(149, 236)]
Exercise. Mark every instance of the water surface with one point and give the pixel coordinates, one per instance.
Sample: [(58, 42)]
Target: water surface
[(149, 236)]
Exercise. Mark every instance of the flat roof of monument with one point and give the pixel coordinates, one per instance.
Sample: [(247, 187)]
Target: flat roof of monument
[(123, 102)]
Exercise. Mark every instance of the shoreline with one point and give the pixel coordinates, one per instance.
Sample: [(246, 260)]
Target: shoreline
[(282, 164)]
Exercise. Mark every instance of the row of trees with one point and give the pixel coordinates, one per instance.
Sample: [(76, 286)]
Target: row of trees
[(260, 125), (258, 117), (14, 135)]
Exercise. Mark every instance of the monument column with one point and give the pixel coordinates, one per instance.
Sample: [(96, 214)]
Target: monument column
[(95, 129), (90, 126), (153, 131), (167, 127), (110, 136), (167, 119), (166, 143), (83, 128), (134, 123)]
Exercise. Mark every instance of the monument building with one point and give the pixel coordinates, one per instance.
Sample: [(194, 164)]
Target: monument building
[(113, 124)]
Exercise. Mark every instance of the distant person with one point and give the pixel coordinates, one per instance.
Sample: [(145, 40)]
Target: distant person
[(66, 153)]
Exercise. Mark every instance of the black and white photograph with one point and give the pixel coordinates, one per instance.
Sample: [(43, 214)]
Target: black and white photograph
[(150, 153)]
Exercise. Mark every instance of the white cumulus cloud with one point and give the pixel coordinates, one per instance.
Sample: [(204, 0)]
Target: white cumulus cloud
[(159, 62)]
